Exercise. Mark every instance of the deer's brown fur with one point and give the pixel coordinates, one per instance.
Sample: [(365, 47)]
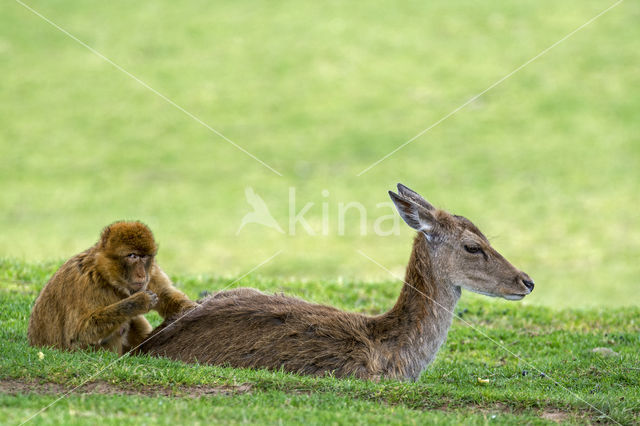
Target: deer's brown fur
[(247, 328)]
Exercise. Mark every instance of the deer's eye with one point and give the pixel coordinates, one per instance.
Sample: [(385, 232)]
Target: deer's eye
[(473, 249)]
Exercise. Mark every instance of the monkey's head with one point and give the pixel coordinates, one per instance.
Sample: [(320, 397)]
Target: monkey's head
[(125, 255)]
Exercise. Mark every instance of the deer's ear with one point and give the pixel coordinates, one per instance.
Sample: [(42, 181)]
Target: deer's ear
[(415, 215), (414, 196)]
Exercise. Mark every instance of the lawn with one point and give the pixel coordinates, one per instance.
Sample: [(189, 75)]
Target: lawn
[(547, 370), (546, 163)]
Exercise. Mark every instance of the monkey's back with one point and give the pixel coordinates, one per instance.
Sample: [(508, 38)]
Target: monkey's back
[(48, 319), (68, 295), (248, 329)]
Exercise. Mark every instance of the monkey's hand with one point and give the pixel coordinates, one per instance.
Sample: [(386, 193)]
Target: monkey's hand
[(103, 322), (139, 303), (153, 299), (149, 299)]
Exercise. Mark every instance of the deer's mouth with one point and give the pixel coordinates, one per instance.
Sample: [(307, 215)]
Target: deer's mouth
[(498, 293), (514, 296)]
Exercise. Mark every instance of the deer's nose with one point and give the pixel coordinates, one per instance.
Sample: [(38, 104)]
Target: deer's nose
[(527, 281)]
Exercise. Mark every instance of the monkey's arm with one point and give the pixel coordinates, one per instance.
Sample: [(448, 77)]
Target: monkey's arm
[(171, 301), (103, 322)]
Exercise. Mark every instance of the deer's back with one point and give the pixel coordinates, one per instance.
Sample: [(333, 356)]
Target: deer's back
[(250, 329)]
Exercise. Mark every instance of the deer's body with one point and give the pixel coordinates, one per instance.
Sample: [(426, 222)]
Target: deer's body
[(247, 328)]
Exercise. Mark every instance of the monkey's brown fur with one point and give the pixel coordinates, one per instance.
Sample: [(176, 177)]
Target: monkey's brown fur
[(96, 299)]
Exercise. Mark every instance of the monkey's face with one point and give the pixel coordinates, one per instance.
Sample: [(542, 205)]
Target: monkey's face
[(136, 268), (127, 250)]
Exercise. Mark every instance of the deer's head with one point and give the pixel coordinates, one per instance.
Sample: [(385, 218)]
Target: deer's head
[(460, 254)]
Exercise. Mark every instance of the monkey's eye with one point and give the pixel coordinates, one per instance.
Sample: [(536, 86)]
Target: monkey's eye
[(473, 249), (132, 256)]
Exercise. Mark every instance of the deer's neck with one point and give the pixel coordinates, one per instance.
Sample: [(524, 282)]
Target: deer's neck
[(414, 329)]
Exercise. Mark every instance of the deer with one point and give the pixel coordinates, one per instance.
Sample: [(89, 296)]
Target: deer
[(246, 328)]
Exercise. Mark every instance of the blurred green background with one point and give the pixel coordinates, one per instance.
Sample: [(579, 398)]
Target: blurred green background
[(547, 164)]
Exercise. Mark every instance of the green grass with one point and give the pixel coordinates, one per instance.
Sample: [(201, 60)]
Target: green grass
[(556, 342), (547, 163), (263, 407)]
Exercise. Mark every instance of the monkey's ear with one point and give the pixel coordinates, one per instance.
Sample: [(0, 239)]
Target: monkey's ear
[(104, 236), (415, 215)]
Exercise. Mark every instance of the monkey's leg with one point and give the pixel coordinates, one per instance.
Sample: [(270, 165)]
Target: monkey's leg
[(112, 343), (139, 329), (171, 301), (103, 322)]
